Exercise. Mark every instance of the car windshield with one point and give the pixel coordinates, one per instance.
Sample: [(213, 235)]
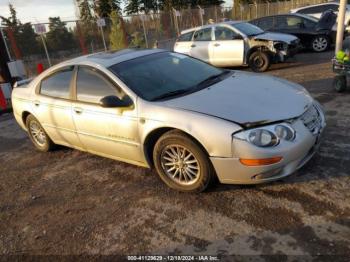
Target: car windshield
[(248, 29), (166, 74)]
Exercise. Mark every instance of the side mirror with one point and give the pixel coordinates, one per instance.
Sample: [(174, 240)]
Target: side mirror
[(114, 101)]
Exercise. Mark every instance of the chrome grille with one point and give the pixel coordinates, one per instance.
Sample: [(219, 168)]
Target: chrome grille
[(312, 119)]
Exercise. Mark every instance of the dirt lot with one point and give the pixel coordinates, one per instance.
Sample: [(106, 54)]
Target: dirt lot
[(69, 202)]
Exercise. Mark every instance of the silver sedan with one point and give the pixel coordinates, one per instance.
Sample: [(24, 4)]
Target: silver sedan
[(189, 120)]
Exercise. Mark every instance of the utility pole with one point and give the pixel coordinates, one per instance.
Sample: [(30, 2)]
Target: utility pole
[(100, 24), (340, 27), (175, 12), (143, 17), (45, 47), (201, 14)]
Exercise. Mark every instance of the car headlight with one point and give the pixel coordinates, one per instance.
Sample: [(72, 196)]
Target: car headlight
[(262, 138), (279, 46), (271, 45), (284, 132), (267, 136)]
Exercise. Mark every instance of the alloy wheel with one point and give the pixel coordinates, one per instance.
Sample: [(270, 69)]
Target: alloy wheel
[(180, 164), (320, 44), (38, 133)]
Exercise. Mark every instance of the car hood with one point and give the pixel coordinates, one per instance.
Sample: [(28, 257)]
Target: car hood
[(247, 99), (276, 37)]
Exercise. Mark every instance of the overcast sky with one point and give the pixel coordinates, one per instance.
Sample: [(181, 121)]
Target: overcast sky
[(39, 10)]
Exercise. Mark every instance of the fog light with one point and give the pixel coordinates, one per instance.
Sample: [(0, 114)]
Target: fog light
[(267, 174)]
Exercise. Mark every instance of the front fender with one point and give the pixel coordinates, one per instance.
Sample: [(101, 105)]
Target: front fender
[(213, 133)]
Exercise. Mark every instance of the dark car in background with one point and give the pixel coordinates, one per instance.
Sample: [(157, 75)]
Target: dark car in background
[(316, 34)]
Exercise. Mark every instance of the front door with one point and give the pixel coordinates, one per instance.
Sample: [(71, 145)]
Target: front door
[(200, 47), (111, 132), (228, 47), (184, 43)]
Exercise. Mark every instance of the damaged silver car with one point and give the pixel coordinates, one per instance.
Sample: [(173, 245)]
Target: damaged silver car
[(190, 121), (236, 43)]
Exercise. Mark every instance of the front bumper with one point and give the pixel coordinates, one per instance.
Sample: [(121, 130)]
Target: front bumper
[(295, 154), (289, 52), (283, 55)]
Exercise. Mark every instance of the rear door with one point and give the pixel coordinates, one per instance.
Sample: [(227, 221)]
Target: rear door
[(202, 41), (53, 107), (228, 47), (183, 43)]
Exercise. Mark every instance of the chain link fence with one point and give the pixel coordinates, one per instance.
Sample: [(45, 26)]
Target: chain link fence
[(61, 40)]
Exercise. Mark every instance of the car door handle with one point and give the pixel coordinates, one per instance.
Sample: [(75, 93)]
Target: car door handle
[(78, 110), (193, 45), (216, 44), (36, 103)]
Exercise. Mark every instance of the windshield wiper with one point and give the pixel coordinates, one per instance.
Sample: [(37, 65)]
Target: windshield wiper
[(256, 34), (206, 82), (211, 79), (170, 94)]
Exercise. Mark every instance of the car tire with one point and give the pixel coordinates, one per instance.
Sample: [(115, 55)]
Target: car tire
[(320, 43), (340, 83), (259, 61), (181, 163), (38, 135)]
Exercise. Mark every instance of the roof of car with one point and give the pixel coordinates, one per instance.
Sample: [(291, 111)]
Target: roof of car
[(290, 14), (307, 6), (110, 58), (231, 22)]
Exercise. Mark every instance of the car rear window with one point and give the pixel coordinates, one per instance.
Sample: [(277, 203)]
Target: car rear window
[(185, 37), (58, 84)]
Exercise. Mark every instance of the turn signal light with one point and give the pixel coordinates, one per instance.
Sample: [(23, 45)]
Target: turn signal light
[(260, 162)]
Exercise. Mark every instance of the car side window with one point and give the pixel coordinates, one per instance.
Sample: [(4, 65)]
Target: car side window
[(308, 23), (185, 37), (265, 23), (203, 35), (224, 33), (92, 86), (281, 22), (57, 84), (294, 22), (289, 22)]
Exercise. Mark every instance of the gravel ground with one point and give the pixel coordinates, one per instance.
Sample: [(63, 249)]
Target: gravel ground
[(69, 202)]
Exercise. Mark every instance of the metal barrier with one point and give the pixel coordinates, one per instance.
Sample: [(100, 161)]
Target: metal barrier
[(53, 42)]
